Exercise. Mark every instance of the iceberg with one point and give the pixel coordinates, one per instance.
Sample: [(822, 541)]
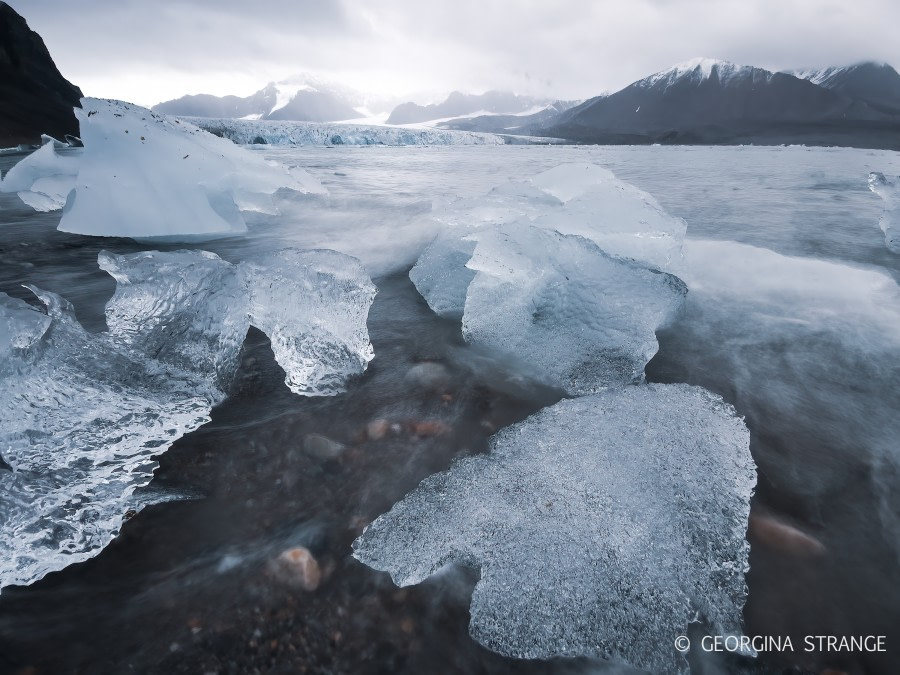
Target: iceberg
[(82, 415), (602, 527), (272, 132), (580, 319), (143, 175), (887, 190), (44, 179)]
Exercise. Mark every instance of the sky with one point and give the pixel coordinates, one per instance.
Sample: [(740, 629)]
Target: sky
[(147, 51)]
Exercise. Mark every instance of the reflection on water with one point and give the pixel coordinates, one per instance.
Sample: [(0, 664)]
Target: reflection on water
[(806, 350)]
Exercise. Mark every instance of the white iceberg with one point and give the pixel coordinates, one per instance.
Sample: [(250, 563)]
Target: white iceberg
[(143, 175), (887, 190), (83, 415), (579, 319), (602, 527), (44, 179)]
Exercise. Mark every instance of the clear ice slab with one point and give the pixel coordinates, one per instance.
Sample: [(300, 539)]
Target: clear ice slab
[(602, 527), (82, 416)]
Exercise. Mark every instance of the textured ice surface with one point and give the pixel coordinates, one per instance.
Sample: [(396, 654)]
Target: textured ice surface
[(82, 415), (888, 190), (581, 199), (80, 420), (44, 178), (313, 305), (144, 175), (273, 132), (441, 276), (602, 526), (581, 320)]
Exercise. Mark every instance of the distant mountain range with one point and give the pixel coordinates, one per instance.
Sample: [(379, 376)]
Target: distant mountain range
[(703, 101), (297, 100), (35, 98), (716, 102), (458, 104)]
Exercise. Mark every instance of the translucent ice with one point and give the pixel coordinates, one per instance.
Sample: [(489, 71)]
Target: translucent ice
[(580, 199), (887, 190), (83, 415), (191, 309), (602, 526), (313, 305), (579, 318), (441, 276), (80, 421), (44, 178)]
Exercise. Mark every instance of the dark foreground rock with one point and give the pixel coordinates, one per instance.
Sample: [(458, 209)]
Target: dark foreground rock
[(35, 98)]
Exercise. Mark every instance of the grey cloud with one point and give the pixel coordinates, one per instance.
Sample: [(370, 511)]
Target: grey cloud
[(565, 48)]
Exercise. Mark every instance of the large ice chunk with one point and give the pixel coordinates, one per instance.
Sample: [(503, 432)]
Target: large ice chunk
[(580, 199), (144, 175), (313, 305), (186, 309), (602, 526), (80, 421), (888, 191), (577, 318), (44, 179), (82, 416), (191, 309)]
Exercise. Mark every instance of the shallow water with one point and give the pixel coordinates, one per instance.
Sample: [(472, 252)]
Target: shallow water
[(797, 324)]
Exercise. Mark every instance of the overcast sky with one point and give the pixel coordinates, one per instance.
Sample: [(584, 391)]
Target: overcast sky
[(147, 51)]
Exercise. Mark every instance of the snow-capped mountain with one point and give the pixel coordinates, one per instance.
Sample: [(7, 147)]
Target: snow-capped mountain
[(876, 83), (525, 124), (458, 104), (712, 101), (35, 98), (301, 99)]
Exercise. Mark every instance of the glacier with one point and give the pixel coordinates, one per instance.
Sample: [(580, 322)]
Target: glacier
[(602, 526), (146, 176), (887, 189), (272, 132), (82, 416)]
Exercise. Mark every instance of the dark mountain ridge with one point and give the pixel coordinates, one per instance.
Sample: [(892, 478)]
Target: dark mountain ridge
[(35, 98), (716, 102)]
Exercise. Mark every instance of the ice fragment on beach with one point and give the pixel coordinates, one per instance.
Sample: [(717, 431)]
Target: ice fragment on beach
[(83, 415), (888, 191), (579, 319), (601, 526), (313, 305)]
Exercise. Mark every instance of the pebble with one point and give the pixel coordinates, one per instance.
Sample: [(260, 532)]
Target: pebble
[(429, 375), (322, 447), (298, 568), (776, 534), (377, 429)]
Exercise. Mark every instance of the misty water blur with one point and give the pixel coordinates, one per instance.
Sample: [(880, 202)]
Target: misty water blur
[(793, 315)]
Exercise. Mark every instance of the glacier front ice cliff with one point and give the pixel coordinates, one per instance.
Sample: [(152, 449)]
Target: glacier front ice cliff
[(82, 415), (273, 132), (602, 526), (144, 175)]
